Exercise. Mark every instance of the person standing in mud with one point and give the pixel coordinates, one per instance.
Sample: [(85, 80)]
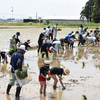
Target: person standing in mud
[(16, 37), (55, 31), (59, 72), (40, 40), (42, 76), (13, 46), (16, 63), (80, 35)]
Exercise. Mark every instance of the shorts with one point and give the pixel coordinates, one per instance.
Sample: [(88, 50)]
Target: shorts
[(50, 73), (41, 78)]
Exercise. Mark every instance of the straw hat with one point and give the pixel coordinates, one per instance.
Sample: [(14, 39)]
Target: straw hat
[(66, 71), (47, 63)]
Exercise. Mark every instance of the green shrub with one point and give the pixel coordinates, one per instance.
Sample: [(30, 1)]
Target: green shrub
[(47, 21)]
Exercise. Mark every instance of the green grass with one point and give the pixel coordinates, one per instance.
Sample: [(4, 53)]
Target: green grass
[(51, 24)]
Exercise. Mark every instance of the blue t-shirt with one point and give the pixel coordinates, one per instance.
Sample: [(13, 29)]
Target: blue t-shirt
[(68, 37)]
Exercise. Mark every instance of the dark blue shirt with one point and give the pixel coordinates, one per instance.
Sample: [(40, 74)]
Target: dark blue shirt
[(16, 61), (68, 37), (46, 44)]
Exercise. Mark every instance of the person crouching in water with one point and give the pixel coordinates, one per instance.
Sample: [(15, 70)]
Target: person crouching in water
[(42, 76), (72, 41), (59, 72), (45, 48)]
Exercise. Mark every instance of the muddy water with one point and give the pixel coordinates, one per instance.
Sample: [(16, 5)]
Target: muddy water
[(83, 80)]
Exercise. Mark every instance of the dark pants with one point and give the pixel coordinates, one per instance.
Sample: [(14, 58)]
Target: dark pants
[(39, 46), (66, 41), (50, 35), (43, 51), (71, 44), (80, 40)]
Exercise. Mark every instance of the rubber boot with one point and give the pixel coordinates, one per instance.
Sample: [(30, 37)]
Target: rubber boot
[(8, 89), (18, 89)]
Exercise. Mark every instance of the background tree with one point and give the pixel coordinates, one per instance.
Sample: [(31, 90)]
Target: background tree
[(87, 11), (96, 11)]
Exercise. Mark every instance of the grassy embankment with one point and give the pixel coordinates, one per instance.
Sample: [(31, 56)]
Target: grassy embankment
[(6, 24)]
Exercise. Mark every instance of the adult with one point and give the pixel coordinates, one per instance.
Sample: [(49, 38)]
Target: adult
[(16, 37), (13, 46), (58, 44), (80, 35), (16, 63), (55, 31), (67, 39), (59, 72), (45, 48), (71, 33), (40, 40)]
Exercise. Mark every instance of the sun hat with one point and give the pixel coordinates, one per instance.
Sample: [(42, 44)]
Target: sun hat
[(22, 47), (47, 63), (66, 71)]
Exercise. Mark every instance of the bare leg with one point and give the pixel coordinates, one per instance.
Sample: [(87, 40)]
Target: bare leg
[(41, 86), (44, 83), (55, 80)]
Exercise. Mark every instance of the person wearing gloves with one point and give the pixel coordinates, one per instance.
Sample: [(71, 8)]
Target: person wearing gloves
[(16, 63), (42, 76), (59, 72)]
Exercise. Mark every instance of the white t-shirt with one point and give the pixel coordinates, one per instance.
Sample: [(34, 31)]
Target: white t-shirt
[(92, 38), (56, 45)]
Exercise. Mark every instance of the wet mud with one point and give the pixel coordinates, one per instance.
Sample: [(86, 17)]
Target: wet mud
[(83, 62)]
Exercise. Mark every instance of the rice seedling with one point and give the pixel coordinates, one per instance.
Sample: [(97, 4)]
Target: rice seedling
[(84, 96), (58, 65), (94, 51), (76, 58), (83, 63)]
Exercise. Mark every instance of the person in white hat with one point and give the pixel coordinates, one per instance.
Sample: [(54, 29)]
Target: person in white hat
[(59, 72), (42, 76), (16, 63)]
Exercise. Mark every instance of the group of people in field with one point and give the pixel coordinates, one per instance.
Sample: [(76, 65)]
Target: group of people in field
[(16, 52), (47, 43)]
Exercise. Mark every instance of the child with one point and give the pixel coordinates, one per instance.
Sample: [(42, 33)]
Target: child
[(42, 76), (58, 71)]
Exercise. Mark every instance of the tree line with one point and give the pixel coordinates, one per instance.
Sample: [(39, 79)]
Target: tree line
[(91, 11)]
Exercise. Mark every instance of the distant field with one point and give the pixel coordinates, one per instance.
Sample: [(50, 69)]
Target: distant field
[(6, 24)]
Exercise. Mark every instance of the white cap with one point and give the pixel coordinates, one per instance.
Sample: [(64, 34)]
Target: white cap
[(44, 31), (22, 47)]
